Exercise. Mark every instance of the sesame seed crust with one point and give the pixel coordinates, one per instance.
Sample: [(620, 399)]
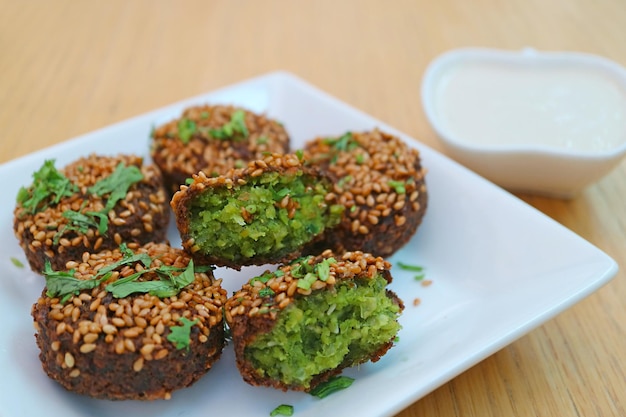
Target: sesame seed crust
[(141, 217), (179, 160), (381, 183), (285, 164), (251, 311), (118, 348)]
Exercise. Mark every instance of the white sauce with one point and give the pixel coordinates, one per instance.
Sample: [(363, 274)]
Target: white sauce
[(566, 107)]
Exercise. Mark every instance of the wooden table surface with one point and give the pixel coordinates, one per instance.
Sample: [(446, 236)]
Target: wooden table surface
[(69, 67)]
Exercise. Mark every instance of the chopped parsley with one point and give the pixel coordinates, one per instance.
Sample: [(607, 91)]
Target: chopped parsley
[(263, 278), (266, 292), (307, 274), (17, 262), (331, 386), (186, 129), (171, 279), (344, 143), (282, 410), (234, 129), (398, 186), (413, 268), (63, 284), (82, 222), (116, 185), (409, 267), (49, 186), (180, 336), (343, 180)]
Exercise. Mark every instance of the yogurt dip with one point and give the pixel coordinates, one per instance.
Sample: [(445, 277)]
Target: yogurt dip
[(550, 123), (571, 107)]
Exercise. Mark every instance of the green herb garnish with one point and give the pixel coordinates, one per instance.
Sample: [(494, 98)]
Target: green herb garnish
[(282, 410), (343, 180), (172, 279), (398, 186), (344, 143), (186, 129), (237, 124), (167, 286), (263, 278), (323, 268), (180, 336), (116, 185), (63, 284), (414, 268), (266, 292), (82, 222), (49, 186), (17, 262), (331, 386), (408, 267)]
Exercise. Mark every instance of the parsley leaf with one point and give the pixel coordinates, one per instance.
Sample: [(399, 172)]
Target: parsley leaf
[(323, 268), (266, 292), (186, 129), (282, 410), (48, 184), (237, 124), (344, 143), (117, 185), (180, 336), (398, 186), (63, 283), (408, 267), (331, 386), (17, 262), (167, 286)]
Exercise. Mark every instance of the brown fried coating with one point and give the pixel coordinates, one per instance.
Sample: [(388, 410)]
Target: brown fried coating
[(254, 309), (197, 142), (119, 348), (140, 217), (380, 181)]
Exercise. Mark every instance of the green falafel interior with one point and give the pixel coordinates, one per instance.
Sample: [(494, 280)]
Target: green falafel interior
[(265, 213), (325, 330), (291, 335)]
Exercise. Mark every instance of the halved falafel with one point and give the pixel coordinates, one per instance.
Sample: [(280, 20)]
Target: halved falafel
[(95, 203), (125, 324), (296, 327), (380, 181), (213, 139), (264, 213)]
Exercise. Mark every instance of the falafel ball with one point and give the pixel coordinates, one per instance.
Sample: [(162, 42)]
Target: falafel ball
[(126, 324), (297, 327), (213, 139), (95, 203), (380, 181), (264, 213)]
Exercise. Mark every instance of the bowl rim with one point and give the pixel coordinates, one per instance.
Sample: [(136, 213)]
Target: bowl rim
[(525, 56)]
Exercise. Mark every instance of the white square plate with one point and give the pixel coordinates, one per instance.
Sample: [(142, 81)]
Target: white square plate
[(499, 269)]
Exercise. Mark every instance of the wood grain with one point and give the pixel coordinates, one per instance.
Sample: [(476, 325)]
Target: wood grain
[(69, 67)]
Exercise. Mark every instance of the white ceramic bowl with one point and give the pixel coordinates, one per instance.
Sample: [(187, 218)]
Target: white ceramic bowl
[(544, 122)]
